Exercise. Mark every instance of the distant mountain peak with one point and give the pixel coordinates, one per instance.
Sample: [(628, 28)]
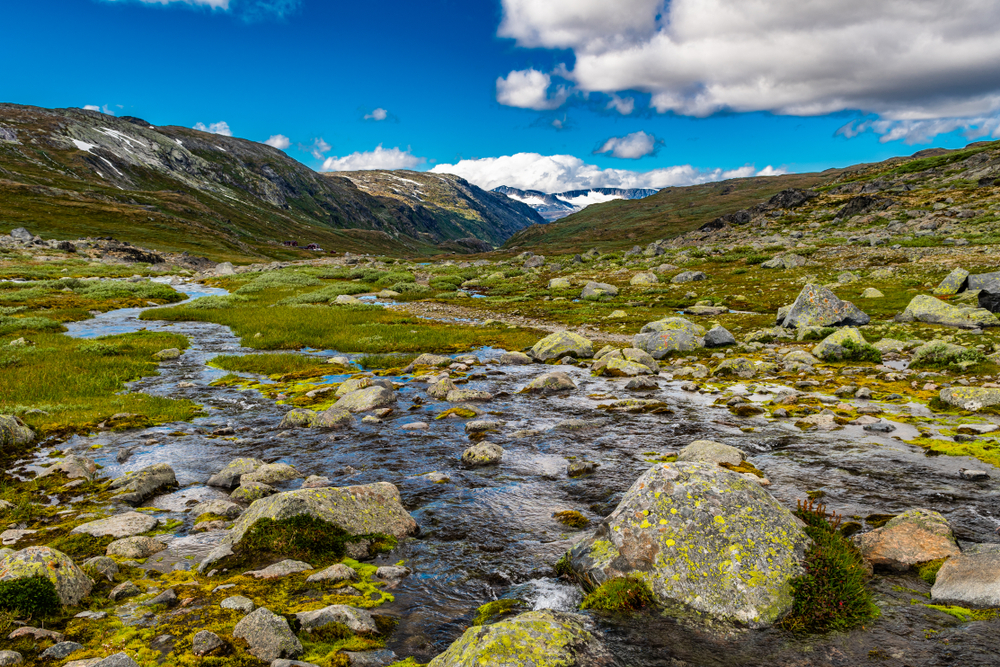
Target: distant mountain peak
[(559, 205)]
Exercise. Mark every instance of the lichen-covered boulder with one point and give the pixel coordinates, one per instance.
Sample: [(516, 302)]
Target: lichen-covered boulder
[(359, 510), (927, 309), (972, 399), (688, 277), (71, 583), (167, 355), (593, 291), (543, 638), (953, 283), (702, 537), (987, 282), (353, 384), (135, 487), (14, 432), (629, 362), (562, 344), (73, 467), (229, 476), (138, 546), (671, 334), (271, 473), (674, 324), (913, 537), (972, 578), (871, 293), (367, 399), (298, 418), (482, 454), (119, 525), (268, 635), (709, 451), (819, 307), (832, 347), (560, 283), (356, 620), (550, 383), (248, 492), (644, 278), (334, 418), (218, 507), (740, 367)]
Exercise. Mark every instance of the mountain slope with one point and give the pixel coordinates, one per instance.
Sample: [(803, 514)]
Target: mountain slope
[(68, 173), (554, 207), (445, 206)]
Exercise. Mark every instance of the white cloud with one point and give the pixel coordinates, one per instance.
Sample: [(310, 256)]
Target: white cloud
[(248, 10), (377, 114), (560, 173), (105, 109), (319, 148), (631, 146), (214, 4), (380, 158), (222, 127), (623, 105), (279, 141), (529, 89), (902, 59), (923, 131)]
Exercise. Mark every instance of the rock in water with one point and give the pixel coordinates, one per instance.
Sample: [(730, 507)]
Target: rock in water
[(972, 578), (14, 432), (268, 634), (120, 525), (72, 584), (923, 308), (819, 307), (482, 454), (954, 283), (550, 383), (703, 537), (629, 362), (544, 638), (562, 344), (367, 399), (229, 477), (916, 536), (135, 487), (709, 451)]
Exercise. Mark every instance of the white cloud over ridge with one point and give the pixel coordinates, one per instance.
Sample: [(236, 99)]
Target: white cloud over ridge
[(222, 127), (106, 110), (905, 60), (380, 158), (529, 89), (279, 141), (561, 173), (631, 146)]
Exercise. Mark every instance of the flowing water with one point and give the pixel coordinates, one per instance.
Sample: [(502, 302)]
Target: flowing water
[(489, 532)]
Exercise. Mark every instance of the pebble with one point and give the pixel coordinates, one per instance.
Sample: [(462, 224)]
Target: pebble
[(973, 475), (239, 603)]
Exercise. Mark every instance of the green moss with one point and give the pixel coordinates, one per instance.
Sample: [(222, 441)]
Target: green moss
[(464, 413), (31, 596), (833, 593), (928, 571), (966, 615), (80, 546), (209, 517), (619, 594), (494, 611), (571, 518), (563, 567), (860, 353), (745, 467)]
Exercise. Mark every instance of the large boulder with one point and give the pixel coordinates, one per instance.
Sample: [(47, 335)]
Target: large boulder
[(560, 283), (688, 277), (120, 525), (356, 620), (483, 453), (71, 583), (298, 418), (543, 638), (702, 537), (594, 290), (719, 336), (644, 278), (671, 334), (73, 467), (353, 384), (334, 417), (972, 399), (972, 578), (629, 362), (988, 282), (923, 308), (229, 477), (359, 510), (136, 487), (550, 383), (832, 347), (562, 344), (271, 473), (14, 432), (819, 307), (268, 635), (953, 283), (916, 536), (367, 399)]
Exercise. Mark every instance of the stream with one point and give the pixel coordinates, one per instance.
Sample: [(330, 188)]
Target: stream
[(489, 532)]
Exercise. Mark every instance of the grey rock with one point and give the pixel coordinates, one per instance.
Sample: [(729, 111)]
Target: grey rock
[(550, 383), (719, 336), (218, 507), (334, 573), (138, 546), (819, 307), (971, 578), (167, 598), (393, 572), (100, 567), (117, 660), (14, 432), (709, 451), (377, 658), (205, 642), (71, 583), (561, 344), (268, 635), (688, 277), (10, 658), (229, 477), (280, 570), (593, 290), (514, 359), (135, 487), (124, 590), (915, 536), (356, 620), (73, 467), (61, 650), (366, 400), (482, 454), (271, 473), (252, 491), (239, 603)]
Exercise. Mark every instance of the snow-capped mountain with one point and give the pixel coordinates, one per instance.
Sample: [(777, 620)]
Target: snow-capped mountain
[(555, 206)]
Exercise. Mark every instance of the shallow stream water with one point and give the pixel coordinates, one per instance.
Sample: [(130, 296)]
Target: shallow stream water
[(489, 532)]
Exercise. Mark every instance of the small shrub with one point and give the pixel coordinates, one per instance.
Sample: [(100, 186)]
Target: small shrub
[(301, 537), (31, 596), (758, 259), (944, 356), (571, 518), (619, 594), (862, 353)]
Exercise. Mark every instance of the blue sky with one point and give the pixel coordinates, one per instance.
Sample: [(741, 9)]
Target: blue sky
[(530, 92)]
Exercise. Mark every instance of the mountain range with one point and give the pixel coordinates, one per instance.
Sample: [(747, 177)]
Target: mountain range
[(554, 207), (70, 173)]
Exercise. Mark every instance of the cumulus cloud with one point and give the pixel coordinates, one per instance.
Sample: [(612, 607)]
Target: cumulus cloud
[(279, 141), (377, 114), (105, 109), (380, 158), (623, 105), (631, 146), (529, 89), (923, 131), (560, 173), (903, 60), (222, 127)]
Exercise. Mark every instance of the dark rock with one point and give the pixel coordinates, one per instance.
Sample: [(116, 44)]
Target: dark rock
[(61, 650), (719, 336), (990, 301), (205, 642), (791, 198), (864, 204), (167, 598)]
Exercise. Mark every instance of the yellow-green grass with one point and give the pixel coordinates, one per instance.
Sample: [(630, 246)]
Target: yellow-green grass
[(985, 449), (271, 364), (61, 384)]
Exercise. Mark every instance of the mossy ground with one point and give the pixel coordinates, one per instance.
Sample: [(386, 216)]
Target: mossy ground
[(619, 594)]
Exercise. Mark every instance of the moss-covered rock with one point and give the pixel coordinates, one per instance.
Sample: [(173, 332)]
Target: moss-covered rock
[(482, 454), (923, 308), (834, 346), (972, 399), (562, 344), (953, 283), (14, 432), (367, 399), (817, 306), (534, 639), (630, 362), (550, 383), (71, 583), (740, 367), (702, 537)]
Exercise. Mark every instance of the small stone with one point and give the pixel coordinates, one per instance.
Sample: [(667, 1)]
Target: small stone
[(138, 546), (247, 493), (60, 650), (482, 454), (10, 658), (268, 635), (356, 620), (973, 475), (334, 573), (280, 569), (35, 633), (124, 590), (205, 642), (116, 660), (238, 603), (167, 598), (316, 482), (393, 572)]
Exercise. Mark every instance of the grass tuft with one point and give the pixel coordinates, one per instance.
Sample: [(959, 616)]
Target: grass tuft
[(619, 594)]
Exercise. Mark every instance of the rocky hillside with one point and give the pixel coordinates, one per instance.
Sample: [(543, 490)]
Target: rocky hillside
[(445, 206), (68, 173)]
